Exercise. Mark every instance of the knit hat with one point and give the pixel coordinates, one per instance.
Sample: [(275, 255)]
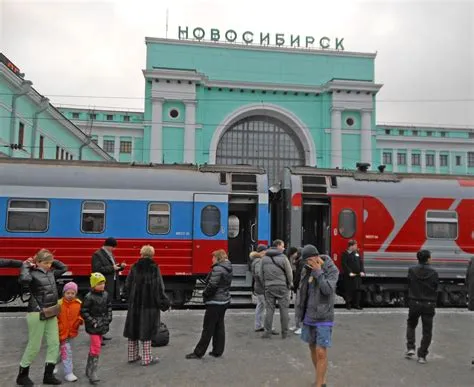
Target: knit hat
[(261, 248), (309, 251), (112, 242), (70, 286), (96, 278)]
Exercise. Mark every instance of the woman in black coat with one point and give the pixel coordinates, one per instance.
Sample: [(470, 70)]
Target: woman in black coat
[(145, 291), (353, 270)]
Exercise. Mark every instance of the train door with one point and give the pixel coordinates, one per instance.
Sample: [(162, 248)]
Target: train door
[(242, 229), (316, 224), (347, 221), (210, 218)]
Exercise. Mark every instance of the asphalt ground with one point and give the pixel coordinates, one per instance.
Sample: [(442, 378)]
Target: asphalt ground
[(368, 348)]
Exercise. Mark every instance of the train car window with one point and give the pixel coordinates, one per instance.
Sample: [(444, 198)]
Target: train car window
[(442, 225), (347, 223), (234, 227), (210, 220), (93, 217), (27, 215), (159, 218)]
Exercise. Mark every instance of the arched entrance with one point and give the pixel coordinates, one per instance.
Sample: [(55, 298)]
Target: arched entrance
[(261, 140)]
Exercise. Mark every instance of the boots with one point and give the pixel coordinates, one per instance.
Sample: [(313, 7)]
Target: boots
[(89, 366), (93, 378), (23, 378), (49, 377)]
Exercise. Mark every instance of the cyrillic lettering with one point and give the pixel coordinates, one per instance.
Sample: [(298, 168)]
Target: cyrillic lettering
[(246, 39), (280, 39), (215, 35), (339, 45), (295, 40), (230, 36), (264, 38), (199, 33), (325, 42), (309, 41), (181, 32)]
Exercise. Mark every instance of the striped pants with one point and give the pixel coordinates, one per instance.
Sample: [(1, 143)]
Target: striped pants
[(133, 351)]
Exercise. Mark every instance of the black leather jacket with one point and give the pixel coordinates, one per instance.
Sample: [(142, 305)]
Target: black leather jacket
[(96, 310), (42, 285), (423, 283), (218, 283)]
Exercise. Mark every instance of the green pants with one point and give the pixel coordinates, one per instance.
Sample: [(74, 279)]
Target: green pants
[(36, 330)]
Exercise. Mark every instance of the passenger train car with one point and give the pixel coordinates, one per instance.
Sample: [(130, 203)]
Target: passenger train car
[(392, 216), (184, 211)]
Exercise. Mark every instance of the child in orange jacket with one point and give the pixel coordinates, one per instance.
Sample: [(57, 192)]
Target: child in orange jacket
[(69, 320)]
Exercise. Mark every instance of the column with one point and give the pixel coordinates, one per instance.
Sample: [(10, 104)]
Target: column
[(117, 148), (437, 163), (451, 161), (394, 160), (156, 132), (336, 138), (189, 132), (100, 141), (408, 160), (466, 162), (423, 161), (132, 155), (366, 136)]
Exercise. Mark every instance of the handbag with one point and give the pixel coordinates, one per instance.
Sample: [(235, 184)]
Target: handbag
[(49, 312)]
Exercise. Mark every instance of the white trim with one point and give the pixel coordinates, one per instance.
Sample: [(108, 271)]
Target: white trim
[(275, 111), (211, 198), (109, 124), (362, 86), (286, 50)]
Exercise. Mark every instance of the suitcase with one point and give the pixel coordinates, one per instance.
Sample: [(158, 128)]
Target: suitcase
[(162, 336)]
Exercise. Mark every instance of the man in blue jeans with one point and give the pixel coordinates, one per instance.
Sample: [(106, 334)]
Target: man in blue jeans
[(316, 307)]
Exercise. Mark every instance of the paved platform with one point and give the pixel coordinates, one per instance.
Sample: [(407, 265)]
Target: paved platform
[(368, 351)]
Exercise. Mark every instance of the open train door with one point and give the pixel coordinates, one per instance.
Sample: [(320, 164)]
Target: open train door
[(210, 218), (347, 222)]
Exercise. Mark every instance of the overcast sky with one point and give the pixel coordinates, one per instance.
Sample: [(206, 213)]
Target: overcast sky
[(425, 49)]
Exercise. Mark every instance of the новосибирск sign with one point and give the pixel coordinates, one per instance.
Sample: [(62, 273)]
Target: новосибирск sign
[(263, 39)]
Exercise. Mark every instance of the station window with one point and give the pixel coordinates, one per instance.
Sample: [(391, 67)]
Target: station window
[(443, 160), (387, 131), (401, 132), (442, 225), (458, 161), (415, 132), (401, 159), (110, 117), (125, 147), (429, 134), (387, 157), (75, 116), (27, 215), (210, 220), (471, 135), (415, 159), (443, 134), (159, 218), (174, 113), (349, 121), (430, 160), (470, 159), (126, 118), (21, 133), (234, 227), (109, 146), (93, 217), (347, 223)]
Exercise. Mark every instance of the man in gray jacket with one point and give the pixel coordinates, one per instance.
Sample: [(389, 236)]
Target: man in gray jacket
[(317, 292), (277, 277)]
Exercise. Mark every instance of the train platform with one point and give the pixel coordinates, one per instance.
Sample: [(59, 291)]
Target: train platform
[(368, 349)]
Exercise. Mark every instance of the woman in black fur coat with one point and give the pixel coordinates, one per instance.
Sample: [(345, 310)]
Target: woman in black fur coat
[(146, 296)]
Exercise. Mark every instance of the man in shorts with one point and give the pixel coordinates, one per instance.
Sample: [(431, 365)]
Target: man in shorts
[(316, 307)]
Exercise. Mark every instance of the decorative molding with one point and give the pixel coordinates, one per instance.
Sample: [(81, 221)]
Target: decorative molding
[(275, 111), (286, 50), (344, 85)]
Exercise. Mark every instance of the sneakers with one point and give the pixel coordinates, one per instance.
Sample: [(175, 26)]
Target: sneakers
[(409, 354), (293, 329), (422, 360), (153, 361), (70, 378), (192, 355), (275, 332), (298, 331), (260, 330)]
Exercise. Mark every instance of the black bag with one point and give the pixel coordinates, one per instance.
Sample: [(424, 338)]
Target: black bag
[(162, 337)]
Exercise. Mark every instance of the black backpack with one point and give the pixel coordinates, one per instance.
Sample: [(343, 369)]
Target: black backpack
[(162, 337)]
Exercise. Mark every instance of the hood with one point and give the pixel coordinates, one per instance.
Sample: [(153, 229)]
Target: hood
[(273, 252), (145, 264), (254, 255), (226, 265), (423, 271)]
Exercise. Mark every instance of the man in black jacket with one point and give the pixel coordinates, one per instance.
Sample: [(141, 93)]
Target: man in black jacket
[(422, 296), (353, 269), (103, 261), (10, 263)]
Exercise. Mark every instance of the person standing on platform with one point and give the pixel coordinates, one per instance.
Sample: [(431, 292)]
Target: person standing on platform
[(216, 296), (316, 303), (422, 297), (297, 263), (103, 261), (277, 277), (470, 305), (353, 269), (258, 289)]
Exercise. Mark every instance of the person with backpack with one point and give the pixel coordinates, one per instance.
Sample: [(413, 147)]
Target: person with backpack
[(277, 278), (423, 283), (216, 296), (146, 296), (258, 290)]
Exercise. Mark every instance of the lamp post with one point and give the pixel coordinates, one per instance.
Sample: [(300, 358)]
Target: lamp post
[(24, 89)]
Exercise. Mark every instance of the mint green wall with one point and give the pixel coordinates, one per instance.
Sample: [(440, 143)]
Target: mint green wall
[(138, 153), (170, 105), (239, 64), (173, 143), (355, 116), (101, 115), (350, 150)]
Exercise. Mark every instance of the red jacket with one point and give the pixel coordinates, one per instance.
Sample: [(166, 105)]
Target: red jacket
[(69, 318)]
